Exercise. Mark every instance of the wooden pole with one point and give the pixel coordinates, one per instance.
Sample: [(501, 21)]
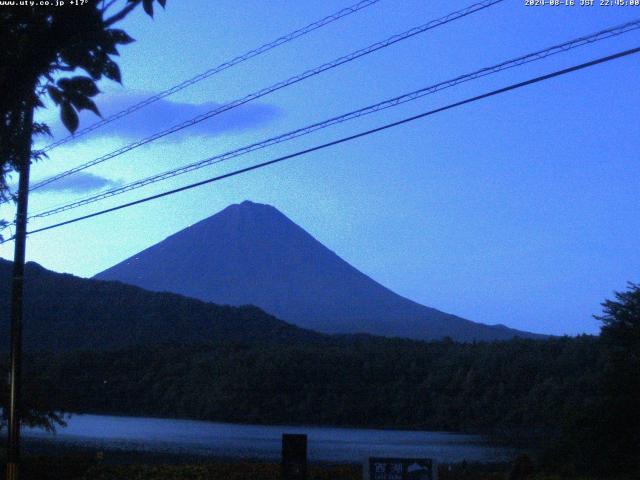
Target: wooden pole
[(17, 288)]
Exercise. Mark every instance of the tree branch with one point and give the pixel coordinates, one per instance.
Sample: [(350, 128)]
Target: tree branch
[(107, 6), (121, 14)]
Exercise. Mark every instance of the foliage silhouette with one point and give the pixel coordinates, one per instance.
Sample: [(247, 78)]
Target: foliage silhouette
[(42, 44)]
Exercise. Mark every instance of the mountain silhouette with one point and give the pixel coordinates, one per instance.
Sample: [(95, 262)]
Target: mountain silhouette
[(251, 253), (63, 312)]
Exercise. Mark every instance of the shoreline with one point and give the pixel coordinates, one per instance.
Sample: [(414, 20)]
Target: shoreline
[(381, 427), (46, 461), (169, 438)]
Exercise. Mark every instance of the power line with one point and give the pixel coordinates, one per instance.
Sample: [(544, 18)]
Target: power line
[(525, 59), (292, 80), (346, 139), (277, 86), (215, 70)]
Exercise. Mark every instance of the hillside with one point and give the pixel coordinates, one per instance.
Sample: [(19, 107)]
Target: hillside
[(64, 312), (251, 253), (371, 382)]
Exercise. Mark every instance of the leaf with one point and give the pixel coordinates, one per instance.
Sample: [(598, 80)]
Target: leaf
[(81, 102), (112, 71), (109, 47), (148, 7), (120, 36), (78, 56), (40, 128), (83, 85), (69, 117), (37, 155), (55, 94)]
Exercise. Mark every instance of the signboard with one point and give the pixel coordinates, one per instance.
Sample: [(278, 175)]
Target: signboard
[(294, 457), (380, 468)]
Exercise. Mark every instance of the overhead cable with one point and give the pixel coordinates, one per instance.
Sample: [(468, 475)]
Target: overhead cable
[(275, 87), (344, 139), (389, 103)]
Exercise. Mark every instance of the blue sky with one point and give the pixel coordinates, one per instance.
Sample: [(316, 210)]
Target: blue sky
[(520, 209)]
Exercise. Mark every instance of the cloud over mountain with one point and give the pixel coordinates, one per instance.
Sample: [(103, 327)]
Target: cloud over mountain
[(165, 113), (80, 182)]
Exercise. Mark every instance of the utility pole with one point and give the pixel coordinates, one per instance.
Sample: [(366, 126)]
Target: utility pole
[(17, 287)]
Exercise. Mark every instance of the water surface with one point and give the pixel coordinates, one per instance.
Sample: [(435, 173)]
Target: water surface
[(263, 442)]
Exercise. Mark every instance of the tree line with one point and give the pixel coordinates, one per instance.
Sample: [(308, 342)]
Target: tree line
[(573, 398)]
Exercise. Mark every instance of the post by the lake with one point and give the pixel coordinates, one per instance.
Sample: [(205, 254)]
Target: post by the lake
[(294, 456)]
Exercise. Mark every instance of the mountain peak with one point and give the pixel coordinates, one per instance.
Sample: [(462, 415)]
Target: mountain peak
[(249, 203), (247, 207), (239, 223), (251, 253)]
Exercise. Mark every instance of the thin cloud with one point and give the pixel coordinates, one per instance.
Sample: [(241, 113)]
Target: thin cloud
[(81, 182), (165, 113)]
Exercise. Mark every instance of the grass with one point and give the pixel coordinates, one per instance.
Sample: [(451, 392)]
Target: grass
[(123, 466), (227, 471), (81, 468)]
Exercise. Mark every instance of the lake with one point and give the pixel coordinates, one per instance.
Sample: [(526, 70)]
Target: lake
[(326, 444)]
